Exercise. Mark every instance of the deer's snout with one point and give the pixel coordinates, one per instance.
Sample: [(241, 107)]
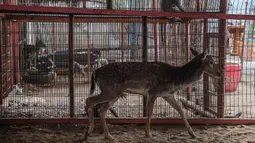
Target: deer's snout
[(219, 73)]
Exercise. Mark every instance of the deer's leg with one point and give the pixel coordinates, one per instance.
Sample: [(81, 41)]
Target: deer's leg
[(103, 110), (172, 101), (90, 103), (150, 104)]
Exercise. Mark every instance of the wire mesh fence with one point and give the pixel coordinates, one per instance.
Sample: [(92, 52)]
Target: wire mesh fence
[(35, 60), (143, 5)]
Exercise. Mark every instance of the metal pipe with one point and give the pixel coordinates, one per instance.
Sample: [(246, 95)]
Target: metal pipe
[(94, 19), (109, 4), (155, 27), (205, 76), (145, 58), (122, 42), (176, 44), (86, 11), (1, 70), (226, 121), (10, 56), (187, 40), (5, 33), (222, 57), (166, 42), (71, 70), (16, 71), (84, 4), (88, 41)]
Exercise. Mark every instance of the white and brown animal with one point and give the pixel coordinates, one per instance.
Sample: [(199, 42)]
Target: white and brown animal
[(151, 79)]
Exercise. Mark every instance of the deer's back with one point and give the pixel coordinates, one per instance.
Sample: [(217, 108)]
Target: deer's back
[(136, 74)]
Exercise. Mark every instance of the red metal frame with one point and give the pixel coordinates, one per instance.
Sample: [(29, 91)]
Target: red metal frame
[(1, 70), (122, 42), (11, 53), (70, 68), (94, 19), (166, 42), (84, 11), (16, 53), (6, 54), (84, 4), (155, 27), (53, 39), (222, 56), (88, 55), (205, 76), (176, 55), (187, 38), (129, 121)]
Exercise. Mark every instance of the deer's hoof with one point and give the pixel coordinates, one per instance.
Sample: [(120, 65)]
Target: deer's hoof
[(148, 135), (91, 128), (86, 136), (192, 135), (109, 137)]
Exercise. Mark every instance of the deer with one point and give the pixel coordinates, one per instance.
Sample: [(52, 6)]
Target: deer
[(150, 79)]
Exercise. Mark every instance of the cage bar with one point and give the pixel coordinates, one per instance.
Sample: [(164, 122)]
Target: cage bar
[(1, 73), (166, 42), (79, 11), (187, 38), (70, 66), (145, 57), (122, 42), (16, 53), (130, 121), (205, 76), (222, 61), (155, 27)]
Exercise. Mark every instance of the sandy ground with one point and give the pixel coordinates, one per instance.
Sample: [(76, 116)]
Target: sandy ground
[(127, 134)]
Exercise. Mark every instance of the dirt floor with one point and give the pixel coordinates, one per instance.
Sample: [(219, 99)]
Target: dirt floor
[(127, 134)]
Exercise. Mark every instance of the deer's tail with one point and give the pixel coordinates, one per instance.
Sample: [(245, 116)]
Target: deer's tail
[(93, 83)]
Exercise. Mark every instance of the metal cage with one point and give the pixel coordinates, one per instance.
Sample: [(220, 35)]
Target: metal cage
[(76, 37)]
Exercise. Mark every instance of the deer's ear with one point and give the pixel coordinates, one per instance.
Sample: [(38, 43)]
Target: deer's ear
[(194, 52), (205, 53)]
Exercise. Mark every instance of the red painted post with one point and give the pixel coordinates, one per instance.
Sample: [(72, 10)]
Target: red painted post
[(16, 54), (1, 70), (6, 53), (166, 42), (198, 5), (122, 42), (84, 4), (187, 38), (96, 19), (176, 44), (70, 64), (222, 57), (156, 46), (86, 11), (11, 53), (205, 76), (88, 38), (145, 57), (53, 40)]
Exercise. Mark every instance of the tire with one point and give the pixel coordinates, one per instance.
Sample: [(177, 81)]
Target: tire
[(39, 78)]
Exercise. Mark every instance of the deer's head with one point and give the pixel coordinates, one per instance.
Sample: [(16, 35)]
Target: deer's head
[(207, 64)]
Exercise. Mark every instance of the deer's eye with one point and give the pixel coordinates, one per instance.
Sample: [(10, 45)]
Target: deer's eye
[(211, 62)]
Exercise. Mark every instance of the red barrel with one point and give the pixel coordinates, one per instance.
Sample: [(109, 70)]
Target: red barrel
[(232, 77)]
